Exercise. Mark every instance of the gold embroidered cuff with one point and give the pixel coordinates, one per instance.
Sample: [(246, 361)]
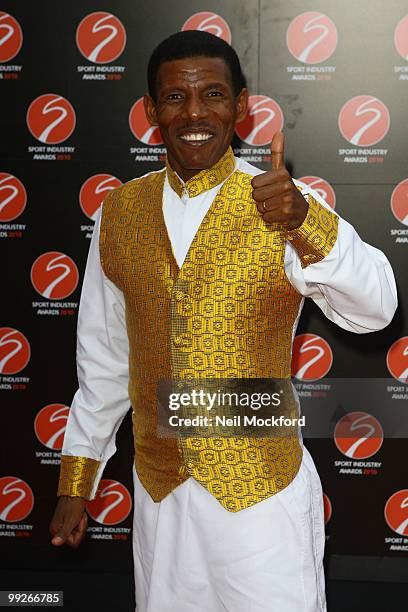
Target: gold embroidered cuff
[(315, 238), (77, 475)]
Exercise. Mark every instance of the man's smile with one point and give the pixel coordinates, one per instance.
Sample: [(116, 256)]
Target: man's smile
[(196, 137)]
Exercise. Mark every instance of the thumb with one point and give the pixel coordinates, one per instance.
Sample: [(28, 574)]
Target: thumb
[(278, 151), (59, 538)]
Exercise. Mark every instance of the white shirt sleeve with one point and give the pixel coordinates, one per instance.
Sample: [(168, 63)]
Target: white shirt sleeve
[(102, 399), (353, 285)]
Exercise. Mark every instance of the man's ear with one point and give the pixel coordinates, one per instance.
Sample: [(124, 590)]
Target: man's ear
[(150, 109), (242, 105)]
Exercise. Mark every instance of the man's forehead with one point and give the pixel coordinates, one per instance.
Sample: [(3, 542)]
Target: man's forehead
[(194, 69)]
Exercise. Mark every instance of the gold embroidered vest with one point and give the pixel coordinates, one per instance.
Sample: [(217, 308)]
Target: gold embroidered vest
[(228, 312)]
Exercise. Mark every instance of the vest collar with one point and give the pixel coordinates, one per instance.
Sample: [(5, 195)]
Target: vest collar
[(204, 180)]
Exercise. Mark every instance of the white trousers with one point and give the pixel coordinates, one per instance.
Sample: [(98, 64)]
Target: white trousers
[(192, 555)]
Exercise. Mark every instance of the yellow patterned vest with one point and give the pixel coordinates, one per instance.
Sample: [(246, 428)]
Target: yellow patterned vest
[(228, 312)]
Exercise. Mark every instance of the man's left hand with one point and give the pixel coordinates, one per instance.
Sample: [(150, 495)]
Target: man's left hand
[(278, 200)]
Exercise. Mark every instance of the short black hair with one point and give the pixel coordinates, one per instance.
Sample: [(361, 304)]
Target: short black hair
[(194, 43)]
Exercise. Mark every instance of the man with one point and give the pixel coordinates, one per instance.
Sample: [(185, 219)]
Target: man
[(200, 270)]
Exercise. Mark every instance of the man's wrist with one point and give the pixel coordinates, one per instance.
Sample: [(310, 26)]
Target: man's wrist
[(317, 234), (77, 476)]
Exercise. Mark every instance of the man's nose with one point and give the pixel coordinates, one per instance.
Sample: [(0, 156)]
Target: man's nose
[(194, 108)]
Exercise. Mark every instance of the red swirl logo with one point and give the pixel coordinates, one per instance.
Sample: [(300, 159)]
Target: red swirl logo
[(327, 508), (51, 119), (263, 119), (311, 37), (16, 499), (112, 503), (15, 351), (50, 424), (401, 37), (399, 202), (140, 126), (54, 275), (11, 37), (101, 37), (364, 121), (93, 192), (312, 357), (397, 359), (13, 197), (323, 188), (396, 512), (358, 435), (209, 22)]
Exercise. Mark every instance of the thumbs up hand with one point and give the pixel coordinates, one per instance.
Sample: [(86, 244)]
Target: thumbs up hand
[(277, 198)]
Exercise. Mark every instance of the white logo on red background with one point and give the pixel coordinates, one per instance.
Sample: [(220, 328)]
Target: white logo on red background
[(50, 424), (323, 188), (401, 37), (263, 119), (397, 359), (101, 37), (13, 197), (112, 503), (54, 275), (311, 37), (94, 190), (140, 126), (11, 37), (312, 357), (358, 435), (15, 351), (399, 202), (364, 120), (396, 512), (16, 499), (209, 22), (51, 118), (327, 508)]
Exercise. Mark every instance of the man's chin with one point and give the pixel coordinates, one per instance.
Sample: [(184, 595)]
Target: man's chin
[(200, 158)]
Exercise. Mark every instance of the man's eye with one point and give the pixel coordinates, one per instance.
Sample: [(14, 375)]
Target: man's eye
[(213, 94), (174, 96)]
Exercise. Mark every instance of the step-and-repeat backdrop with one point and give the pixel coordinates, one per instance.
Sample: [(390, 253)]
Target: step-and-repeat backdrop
[(334, 76)]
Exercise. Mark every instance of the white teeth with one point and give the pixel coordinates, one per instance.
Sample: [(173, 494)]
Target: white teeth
[(195, 137)]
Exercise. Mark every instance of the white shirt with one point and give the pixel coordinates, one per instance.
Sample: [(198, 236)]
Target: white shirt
[(353, 285)]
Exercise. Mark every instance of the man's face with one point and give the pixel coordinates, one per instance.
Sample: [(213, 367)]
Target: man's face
[(196, 110)]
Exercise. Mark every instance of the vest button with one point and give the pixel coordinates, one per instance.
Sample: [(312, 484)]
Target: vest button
[(180, 296), (177, 340)]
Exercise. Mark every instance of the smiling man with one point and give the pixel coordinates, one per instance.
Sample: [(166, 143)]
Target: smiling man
[(200, 270)]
